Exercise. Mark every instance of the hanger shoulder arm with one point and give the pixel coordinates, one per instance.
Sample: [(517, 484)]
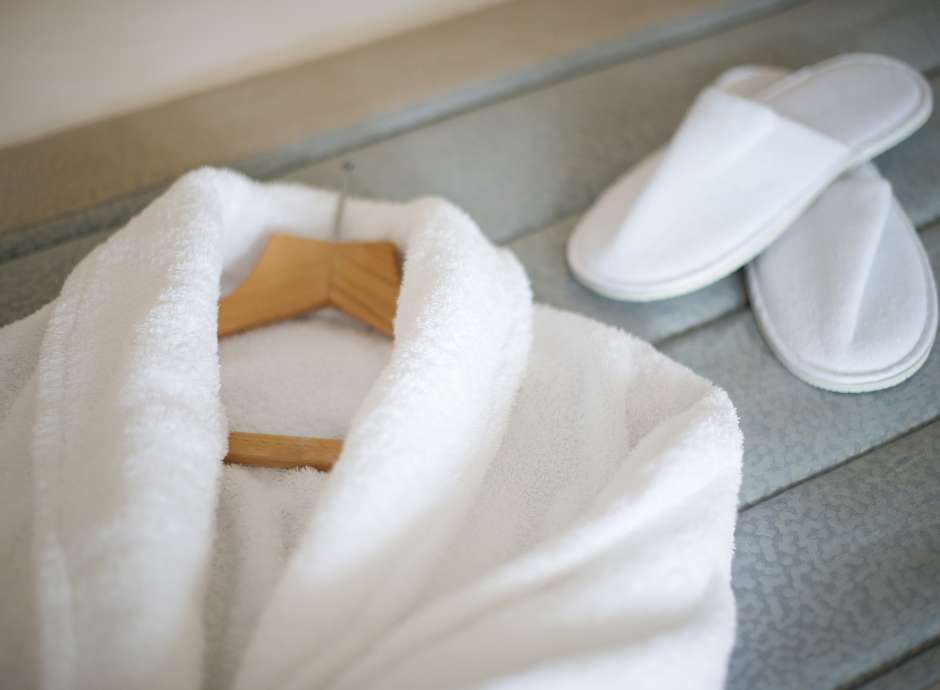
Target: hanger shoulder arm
[(292, 276), (366, 282)]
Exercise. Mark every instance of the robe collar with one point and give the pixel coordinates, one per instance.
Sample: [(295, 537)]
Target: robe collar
[(130, 432)]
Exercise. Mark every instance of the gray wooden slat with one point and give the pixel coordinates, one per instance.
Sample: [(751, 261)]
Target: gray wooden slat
[(791, 429), (838, 576), (922, 672), (526, 161), (113, 214), (29, 282)]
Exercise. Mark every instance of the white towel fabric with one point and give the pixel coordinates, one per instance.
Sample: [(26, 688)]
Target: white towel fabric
[(526, 498)]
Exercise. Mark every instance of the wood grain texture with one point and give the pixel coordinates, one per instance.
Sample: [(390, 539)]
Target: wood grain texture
[(366, 281), (292, 276), (282, 452), (295, 275)]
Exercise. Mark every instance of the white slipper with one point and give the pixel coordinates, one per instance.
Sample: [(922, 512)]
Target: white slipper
[(846, 298), (738, 172)]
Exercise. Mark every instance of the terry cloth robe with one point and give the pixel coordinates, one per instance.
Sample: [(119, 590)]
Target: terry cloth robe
[(526, 498)]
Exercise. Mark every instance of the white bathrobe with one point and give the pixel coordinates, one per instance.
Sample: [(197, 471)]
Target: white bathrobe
[(526, 498)]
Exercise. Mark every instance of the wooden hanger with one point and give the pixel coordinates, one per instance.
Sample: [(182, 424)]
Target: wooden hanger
[(296, 275)]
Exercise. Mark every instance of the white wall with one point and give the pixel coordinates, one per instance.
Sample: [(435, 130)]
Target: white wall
[(66, 62)]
